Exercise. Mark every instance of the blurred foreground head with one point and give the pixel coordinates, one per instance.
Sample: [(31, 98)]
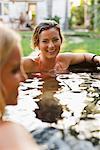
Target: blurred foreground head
[(11, 72)]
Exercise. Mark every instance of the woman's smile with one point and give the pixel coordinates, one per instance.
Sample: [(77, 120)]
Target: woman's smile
[(51, 51)]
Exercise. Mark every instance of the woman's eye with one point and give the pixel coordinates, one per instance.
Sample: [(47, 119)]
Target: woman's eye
[(55, 40), (45, 41), (15, 70)]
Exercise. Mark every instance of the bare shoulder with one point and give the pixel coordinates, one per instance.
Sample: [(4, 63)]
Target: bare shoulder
[(10, 127), (27, 61), (28, 64), (15, 137)]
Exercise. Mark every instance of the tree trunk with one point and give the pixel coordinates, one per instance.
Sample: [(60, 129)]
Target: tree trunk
[(95, 15), (49, 8), (65, 27)]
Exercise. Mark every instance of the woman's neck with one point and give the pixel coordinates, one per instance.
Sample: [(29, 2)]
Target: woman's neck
[(47, 63)]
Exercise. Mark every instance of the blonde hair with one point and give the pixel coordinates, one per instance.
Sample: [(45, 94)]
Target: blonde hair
[(2, 104), (45, 25), (8, 40)]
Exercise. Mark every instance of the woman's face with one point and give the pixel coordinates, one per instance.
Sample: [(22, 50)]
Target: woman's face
[(12, 74), (49, 43)]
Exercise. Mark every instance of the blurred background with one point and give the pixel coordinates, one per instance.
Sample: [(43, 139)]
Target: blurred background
[(79, 21)]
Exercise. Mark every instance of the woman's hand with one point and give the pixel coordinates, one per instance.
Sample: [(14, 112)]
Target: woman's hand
[(96, 59), (60, 68)]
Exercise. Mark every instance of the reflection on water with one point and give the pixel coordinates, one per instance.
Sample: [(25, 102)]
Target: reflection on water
[(71, 99), (50, 109), (67, 101)]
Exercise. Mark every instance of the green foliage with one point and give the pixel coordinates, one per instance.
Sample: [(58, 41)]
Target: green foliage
[(56, 18), (77, 15), (98, 17), (26, 42), (81, 44), (33, 15), (93, 14), (92, 8)]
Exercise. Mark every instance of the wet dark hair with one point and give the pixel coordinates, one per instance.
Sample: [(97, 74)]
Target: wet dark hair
[(45, 25)]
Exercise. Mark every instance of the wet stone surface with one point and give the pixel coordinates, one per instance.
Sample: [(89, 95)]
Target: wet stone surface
[(62, 112)]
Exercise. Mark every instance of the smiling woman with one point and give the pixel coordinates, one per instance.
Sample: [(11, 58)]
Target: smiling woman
[(47, 38)]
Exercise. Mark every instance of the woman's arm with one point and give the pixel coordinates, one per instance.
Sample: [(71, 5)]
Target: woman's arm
[(29, 65), (64, 60), (75, 58)]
